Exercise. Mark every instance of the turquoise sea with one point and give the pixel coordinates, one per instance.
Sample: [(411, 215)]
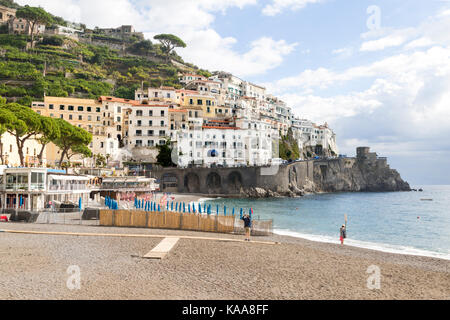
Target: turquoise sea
[(398, 222)]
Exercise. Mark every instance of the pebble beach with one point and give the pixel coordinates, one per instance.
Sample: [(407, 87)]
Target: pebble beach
[(34, 266)]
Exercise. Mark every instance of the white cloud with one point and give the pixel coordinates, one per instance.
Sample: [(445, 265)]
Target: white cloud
[(191, 20), (278, 6), (383, 43)]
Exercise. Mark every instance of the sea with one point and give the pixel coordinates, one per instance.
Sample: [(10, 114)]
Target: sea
[(415, 223)]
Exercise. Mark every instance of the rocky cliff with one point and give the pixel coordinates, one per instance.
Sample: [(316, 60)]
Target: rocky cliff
[(357, 175)]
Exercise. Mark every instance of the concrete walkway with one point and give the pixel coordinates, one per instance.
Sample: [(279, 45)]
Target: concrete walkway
[(162, 249)]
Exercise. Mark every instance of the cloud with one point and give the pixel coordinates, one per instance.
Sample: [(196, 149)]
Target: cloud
[(191, 20), (278, 6)]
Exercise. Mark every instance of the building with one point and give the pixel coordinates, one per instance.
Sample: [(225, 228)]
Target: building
[(6, 14), (89, 114), (31, 189), (22, 26), (188, 77), (10, 153), (122, 32)]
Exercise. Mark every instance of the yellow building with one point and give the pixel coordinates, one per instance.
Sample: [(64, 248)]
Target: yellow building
[(208, 104), (88, 114)]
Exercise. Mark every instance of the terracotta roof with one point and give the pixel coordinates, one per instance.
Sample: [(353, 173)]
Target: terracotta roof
[(178, 110), (218, 127), (114, 99)]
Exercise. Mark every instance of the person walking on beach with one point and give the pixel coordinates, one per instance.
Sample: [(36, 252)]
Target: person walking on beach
[(343, 233), (247, 226)]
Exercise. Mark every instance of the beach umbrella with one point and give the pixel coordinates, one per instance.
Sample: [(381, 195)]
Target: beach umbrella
[(184, 207), (176, 206), (199, 208), (135, 202), (159, 208), (209, 209), (171, 206), (167, 205), (217, 209), (250, 212), (79, 204), (204, 207), (224, 210), (193, 208), (189, 208), (240, 214), (233, 212)]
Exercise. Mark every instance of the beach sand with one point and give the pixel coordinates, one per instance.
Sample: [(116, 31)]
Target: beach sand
[(35, 267)]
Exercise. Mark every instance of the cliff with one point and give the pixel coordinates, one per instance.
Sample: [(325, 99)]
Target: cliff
[(357, 175)]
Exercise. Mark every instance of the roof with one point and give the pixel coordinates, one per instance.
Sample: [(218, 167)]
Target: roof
[(114, 99), (178, 110), (218, 127)]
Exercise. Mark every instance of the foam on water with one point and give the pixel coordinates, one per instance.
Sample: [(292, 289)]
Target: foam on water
[(366, 245)]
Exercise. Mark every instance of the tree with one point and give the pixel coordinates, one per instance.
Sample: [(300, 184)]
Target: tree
[(49, 133), (169, 43), (34, 16), (72, 140), (21, 122), (164, 156)]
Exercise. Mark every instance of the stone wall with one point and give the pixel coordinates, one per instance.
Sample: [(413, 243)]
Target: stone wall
[(295, 179)]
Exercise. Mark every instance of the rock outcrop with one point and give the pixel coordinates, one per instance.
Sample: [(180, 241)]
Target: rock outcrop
[(357, 174)]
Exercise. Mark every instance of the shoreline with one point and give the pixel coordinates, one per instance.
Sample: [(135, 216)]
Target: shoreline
[(35, 266)]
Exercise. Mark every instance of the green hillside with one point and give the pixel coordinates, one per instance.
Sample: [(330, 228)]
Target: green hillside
[(59, 66)]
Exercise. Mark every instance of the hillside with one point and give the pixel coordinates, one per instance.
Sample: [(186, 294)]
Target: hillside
[(93, 66)]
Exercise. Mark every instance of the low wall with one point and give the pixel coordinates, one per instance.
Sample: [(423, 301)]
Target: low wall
[(180, 221)]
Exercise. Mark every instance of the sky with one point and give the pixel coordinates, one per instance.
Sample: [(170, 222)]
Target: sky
[(378, 72)]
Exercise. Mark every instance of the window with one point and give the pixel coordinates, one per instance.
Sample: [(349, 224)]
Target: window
[(191, 101), (80, 108), (61, 107), (139, 132), (208, 109), (199, 102), (139, 113), (150, 143), (118, 119), (50, 106), (138, 143), (98, 118), (150, 133), (70, 117), (80, 117), (139, 123), (98, 109), (70, 108), (101, 144), (162, 142), (162, 133), (208, 102), (162, 123), (88, 109), (162, 113), (150, 113), (119, 109)]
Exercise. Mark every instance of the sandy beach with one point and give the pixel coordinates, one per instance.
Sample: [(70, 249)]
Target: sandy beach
[(35, 267)]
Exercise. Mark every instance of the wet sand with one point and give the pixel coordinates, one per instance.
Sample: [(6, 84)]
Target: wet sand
[(35, 267)]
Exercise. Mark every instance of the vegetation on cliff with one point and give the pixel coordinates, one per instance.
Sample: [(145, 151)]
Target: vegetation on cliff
[(288, 147), (60, 66)]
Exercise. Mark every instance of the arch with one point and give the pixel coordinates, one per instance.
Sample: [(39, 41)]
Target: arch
[(192, 183), (213, 182), (234, 180)]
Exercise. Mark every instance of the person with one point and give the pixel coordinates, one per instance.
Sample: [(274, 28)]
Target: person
[(343, 233), (247, 226)]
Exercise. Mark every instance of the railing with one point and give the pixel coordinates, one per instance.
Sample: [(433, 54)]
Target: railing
[(67, 187)]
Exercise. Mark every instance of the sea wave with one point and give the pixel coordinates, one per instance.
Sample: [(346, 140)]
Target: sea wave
[(383, 247)]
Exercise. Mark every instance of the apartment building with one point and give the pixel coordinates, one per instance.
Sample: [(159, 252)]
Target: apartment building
[(88, 114), (6, 14), (148, 125)]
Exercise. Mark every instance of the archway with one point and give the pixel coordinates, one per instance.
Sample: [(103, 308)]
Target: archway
[(213, 182), (192, 183), (234, 181)]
